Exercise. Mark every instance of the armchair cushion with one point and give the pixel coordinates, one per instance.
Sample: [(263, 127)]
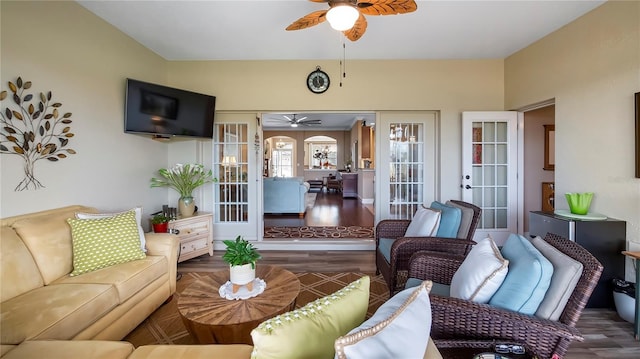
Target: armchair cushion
[(450, 220), (425, 223), (528, 278), (385, 248), (465, 220), (566, 273), (384, 335), (480, 274), (103, 242), (310, 331)]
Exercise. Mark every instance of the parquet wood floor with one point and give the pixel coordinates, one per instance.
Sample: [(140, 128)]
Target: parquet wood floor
[(606, 334)]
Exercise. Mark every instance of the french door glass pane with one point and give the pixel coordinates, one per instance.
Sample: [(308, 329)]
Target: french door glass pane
[(489, 168), (406, 177), (232, 164)]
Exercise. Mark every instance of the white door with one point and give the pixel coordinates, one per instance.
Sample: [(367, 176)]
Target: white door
[(489, 170), (236, 158)]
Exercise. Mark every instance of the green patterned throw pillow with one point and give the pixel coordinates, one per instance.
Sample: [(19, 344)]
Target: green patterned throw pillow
[(310, 332), (103, 242)]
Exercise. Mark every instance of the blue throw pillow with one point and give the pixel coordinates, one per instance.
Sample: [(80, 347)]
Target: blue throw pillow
[(449, 221), (527, 280)]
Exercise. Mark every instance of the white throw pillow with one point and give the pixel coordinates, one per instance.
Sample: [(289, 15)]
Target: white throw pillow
[(138, 210), (425, 223), (384, 335), (480, 274)]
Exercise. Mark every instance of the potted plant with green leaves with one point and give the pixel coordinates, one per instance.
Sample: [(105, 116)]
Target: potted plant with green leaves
[(160, 223), (241, 256)]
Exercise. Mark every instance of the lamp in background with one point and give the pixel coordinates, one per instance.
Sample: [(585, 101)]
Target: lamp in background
[(227, 162), (342, 17)]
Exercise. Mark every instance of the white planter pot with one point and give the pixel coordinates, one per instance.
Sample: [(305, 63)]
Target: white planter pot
[(241, 275)]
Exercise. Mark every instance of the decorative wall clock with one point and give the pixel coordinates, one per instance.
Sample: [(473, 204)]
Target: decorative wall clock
[(318, 81)]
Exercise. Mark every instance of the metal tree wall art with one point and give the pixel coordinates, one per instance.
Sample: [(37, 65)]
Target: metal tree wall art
[(33, 131)]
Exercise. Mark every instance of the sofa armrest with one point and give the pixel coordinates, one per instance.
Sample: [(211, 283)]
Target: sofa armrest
[(165, 244)]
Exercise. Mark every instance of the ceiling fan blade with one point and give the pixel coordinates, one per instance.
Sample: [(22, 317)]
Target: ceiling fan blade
[(387, 7), (312, 19), (357, 30), (289, 118), (301, 119)]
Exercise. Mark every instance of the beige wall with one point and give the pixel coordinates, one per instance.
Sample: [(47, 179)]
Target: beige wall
[(63, 48), (592, 69), (448, 86)]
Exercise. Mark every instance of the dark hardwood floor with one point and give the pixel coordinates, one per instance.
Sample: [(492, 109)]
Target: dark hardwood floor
[(330, 209)]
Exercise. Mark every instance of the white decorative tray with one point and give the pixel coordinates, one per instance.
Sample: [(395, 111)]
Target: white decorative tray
[(591, 216), (226, 290)]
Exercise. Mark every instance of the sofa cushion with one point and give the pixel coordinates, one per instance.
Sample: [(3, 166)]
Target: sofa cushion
[(68, 349), (103, 242), (310, 331), (450, 221), (18, 271), (213, 351), (138, 210), (48, 238), (481, 273), (128, 278), (465, 220), (566, 274), (528, 278), (384, 335), (69, 309), (425, 223)]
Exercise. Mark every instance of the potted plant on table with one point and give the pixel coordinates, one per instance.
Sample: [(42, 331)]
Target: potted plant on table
[(184, 179), (160, 223), (241, 256)]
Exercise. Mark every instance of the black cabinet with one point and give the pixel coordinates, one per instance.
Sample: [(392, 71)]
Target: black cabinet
[(605, 239)]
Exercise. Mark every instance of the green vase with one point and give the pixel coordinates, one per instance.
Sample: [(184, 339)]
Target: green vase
[(579, 203), (186, 206)]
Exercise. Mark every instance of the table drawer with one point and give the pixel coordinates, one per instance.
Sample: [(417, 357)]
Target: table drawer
[(196, 244)]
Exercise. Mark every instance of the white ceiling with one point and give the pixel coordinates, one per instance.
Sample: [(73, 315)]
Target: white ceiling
[(255, 30)]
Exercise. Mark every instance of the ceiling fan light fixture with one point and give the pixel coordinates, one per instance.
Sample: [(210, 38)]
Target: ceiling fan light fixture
[(294, 125), (342, 17)]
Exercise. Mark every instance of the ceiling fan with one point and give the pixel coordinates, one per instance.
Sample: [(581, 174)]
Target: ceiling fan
[(295, 122), (352, 12)]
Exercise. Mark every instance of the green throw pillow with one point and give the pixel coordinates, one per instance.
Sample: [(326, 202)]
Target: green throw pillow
[(103, 242), (310, 332)]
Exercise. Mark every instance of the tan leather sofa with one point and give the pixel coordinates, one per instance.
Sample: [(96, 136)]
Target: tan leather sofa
[(124, 350), (39, 300)]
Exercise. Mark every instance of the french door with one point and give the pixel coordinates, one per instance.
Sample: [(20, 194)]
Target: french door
[(406, 163), (489, 171)]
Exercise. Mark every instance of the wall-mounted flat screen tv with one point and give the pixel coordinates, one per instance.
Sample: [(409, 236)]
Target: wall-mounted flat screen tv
[(164, 111)]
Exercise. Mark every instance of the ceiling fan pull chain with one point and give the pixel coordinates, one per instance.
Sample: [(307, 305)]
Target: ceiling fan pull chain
[(343, 63)]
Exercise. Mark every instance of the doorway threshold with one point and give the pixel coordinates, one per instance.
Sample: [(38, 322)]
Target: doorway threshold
[(311, 244)]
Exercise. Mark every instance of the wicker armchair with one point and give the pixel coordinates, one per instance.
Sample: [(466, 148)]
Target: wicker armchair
[(395, 271), (463, 323)]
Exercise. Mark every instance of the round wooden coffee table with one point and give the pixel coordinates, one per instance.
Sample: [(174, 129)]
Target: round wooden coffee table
[(210, 318)]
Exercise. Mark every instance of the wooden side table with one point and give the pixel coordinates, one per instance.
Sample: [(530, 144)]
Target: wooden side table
[(636, 323), (196, 236), (210, 318)]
